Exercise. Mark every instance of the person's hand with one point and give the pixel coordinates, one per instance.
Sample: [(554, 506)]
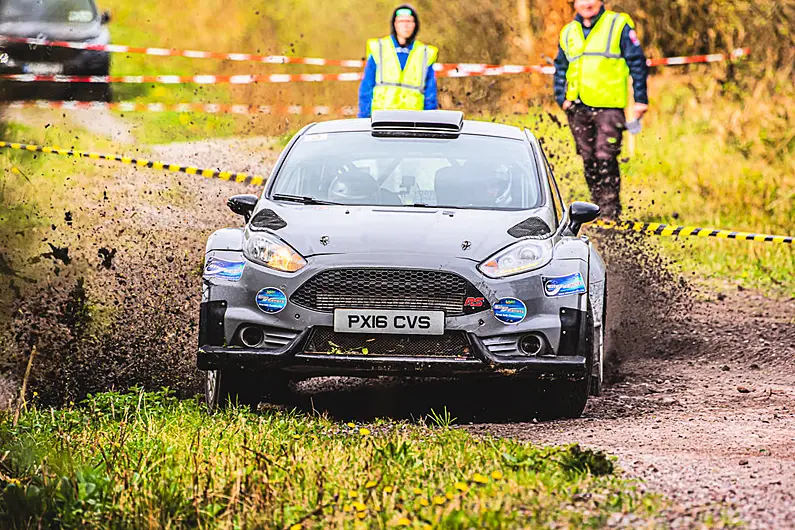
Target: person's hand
[(639, 109), (567, 104)]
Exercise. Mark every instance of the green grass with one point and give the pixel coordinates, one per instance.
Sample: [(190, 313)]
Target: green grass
[(148, 460)]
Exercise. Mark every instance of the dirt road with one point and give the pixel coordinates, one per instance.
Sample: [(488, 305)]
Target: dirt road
[(702, 403), (711, 425)]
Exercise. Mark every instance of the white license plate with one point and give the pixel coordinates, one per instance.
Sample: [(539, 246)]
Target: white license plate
[(389, 321), (43, 68)]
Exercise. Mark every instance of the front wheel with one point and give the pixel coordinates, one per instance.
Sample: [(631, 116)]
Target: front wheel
[(566, 399), (228, 387)]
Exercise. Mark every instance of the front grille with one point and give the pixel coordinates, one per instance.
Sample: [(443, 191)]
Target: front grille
[(328, 342), (410, 289)]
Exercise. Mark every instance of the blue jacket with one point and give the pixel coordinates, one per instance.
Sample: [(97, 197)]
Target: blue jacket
[(631, 51), (368, 82)]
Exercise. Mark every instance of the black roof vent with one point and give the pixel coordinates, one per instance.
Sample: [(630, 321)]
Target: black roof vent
[(417, 123)]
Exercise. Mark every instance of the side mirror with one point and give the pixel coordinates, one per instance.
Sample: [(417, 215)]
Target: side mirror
[(105, 17), (242, 205), (581, 213)]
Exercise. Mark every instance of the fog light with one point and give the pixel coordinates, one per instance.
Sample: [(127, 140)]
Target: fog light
[(251, 336), (531, 344)]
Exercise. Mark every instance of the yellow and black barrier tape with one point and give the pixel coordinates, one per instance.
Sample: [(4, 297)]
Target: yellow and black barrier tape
[(242, 178), (659, 229)]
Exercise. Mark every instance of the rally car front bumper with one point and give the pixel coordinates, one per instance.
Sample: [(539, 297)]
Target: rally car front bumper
[(294, 360)]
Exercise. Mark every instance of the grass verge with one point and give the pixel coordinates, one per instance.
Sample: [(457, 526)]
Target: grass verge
[(149, 460)]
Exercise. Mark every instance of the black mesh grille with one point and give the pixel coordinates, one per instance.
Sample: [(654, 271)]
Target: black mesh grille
[(327, 341), (408, 289)]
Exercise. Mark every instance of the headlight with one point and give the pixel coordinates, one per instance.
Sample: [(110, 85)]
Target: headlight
[(272, 253), (521, 257)]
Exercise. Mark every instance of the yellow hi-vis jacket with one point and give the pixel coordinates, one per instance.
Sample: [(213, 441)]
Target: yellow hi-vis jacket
[(597, 73), (396, 88)]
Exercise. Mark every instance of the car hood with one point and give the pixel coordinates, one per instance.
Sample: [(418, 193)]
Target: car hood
[(469, 234), (54, 31)]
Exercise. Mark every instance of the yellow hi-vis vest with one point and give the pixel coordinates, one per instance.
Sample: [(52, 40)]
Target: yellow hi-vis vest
[(597, 73), (396, 88)]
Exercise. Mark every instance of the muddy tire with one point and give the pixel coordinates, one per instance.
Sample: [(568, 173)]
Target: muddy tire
[(228, 387), (567, 399), (231, 387)]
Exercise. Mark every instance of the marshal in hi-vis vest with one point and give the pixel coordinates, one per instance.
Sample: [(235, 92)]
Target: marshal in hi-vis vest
[(597, 73), (397, 89)]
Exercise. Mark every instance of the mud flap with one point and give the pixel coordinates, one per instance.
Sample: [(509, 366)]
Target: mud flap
[(211, 323), (576, 335)]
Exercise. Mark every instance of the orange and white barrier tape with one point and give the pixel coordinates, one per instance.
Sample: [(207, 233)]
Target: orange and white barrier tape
[(180, 79), (352, 63), (208, 108), (252, 79), (194, 54), (245, 57), (693, 59)]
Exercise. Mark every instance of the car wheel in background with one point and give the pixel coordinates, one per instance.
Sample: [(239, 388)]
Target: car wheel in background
[(90, 92)]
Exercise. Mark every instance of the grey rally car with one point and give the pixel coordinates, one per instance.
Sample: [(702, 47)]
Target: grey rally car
[(410, 244)]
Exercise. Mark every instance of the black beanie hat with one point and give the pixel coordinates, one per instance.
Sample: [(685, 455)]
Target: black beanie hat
[(416, 20)]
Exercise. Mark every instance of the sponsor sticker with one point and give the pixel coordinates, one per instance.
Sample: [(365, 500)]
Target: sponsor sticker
[(271, 300), (223, 269), (510, 311), (564, 285)]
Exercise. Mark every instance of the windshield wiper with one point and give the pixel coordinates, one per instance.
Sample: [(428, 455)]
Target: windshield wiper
[(423, 205), (301, 199)]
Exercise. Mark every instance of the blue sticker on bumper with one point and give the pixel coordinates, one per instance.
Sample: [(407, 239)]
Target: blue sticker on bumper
[(223, 269), (271, 300), (510, 311), (564, 285)]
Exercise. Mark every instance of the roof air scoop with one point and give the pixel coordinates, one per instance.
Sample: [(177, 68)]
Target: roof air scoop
[(417, 123)]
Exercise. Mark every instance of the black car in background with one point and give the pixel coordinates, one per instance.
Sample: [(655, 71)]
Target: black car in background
[(53, 20)]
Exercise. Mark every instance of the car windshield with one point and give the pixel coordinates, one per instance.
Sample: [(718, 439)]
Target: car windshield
[(71, 11), (355, 168)]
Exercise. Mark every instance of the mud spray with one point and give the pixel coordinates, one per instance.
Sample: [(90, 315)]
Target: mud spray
[(111, 301)]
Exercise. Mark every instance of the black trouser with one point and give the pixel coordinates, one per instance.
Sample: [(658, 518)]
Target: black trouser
[(598, 133)]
